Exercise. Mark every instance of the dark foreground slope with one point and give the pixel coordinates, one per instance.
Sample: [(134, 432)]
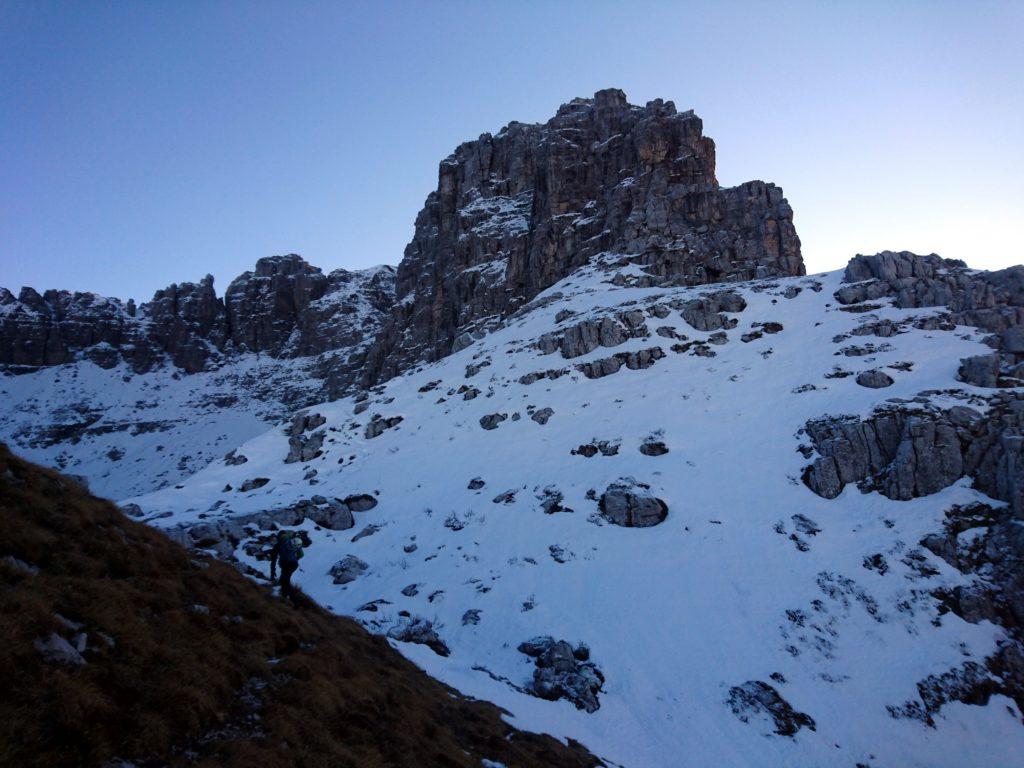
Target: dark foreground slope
[(185, 662)]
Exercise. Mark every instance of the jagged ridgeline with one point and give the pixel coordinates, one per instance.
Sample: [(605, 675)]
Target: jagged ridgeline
[(194, 374)]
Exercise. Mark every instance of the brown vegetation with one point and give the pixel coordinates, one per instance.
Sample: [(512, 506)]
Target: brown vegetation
[(187, 662)]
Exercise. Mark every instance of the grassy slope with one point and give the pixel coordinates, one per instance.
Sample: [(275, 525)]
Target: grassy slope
[(182, 687)]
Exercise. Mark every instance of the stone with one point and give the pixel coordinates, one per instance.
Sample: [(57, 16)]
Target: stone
[(910, 454), (56, 650), (630, 504), (705, 313), (378, 424), (348, 569), (755, 697), (562, 672), (419, 630), (651, 447), (302, 448), (874, 379), (541, 416), (360, 502), (253, 483), (492, 420), (233, 459), (980, 370)]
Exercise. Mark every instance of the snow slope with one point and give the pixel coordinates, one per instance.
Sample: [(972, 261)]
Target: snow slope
[(729, 588), (129, 433)]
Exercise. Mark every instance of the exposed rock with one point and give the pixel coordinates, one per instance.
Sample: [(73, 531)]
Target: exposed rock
[(874, 379), (604, 447), (910, 454), (233, 459), (304, 422), (187, 326), (757, 698), (367, 531), (348, 569), (56, 650), (253, 483), (516, 211), (304, 447), (993, 301), (551, 501), (562, 672), (419, 630), (378, 424), (705, 313), (224, 535), (588, 335), (476, 484), (492, 420), (640, 359), (541, 416), (360, 502), (630, 504), (652, 447), (980, 370)]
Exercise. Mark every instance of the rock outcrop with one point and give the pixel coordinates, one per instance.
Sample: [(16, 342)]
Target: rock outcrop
[(993, 301), (907, 453), (284, 308), (563, 672), (516, 211)]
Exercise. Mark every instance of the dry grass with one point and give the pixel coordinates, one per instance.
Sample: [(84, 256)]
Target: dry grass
[(186, 688)]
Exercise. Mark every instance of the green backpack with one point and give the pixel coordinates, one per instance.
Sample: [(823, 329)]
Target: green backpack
[(291, 548)]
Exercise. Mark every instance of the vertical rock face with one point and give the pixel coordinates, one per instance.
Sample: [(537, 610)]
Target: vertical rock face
[(515, 212), (188, 321), (263, 306), (49, 329)]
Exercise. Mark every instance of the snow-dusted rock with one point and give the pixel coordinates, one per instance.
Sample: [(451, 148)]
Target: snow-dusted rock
[(348, 569), (630, 504)]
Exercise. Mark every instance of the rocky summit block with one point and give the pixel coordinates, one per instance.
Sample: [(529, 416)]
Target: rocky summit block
[(516, 211)]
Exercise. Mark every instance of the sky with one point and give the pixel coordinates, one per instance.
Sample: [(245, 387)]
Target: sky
[(144, 143)]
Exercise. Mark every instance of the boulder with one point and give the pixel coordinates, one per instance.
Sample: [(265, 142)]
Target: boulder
[(348, 569), (758, 698), (630, 504), (562, 672), (874, 379)]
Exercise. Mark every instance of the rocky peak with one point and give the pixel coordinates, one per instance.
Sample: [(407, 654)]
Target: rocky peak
[(284, 307), (263, 306), (515, 212), (188, 321)]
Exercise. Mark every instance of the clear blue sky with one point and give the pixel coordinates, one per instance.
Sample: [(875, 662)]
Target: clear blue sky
[(143, 143)]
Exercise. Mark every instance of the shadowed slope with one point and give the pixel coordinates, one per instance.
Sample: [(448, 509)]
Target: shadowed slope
[(183, 661)]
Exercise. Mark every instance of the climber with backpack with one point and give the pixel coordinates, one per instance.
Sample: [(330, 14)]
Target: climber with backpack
[(288, 551)]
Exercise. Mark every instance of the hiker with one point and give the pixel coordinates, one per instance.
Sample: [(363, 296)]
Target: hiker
[(287, 549)]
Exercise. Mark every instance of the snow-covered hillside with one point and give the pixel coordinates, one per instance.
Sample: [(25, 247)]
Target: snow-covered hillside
[(98, 392), (756, 623), (131, 433)]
